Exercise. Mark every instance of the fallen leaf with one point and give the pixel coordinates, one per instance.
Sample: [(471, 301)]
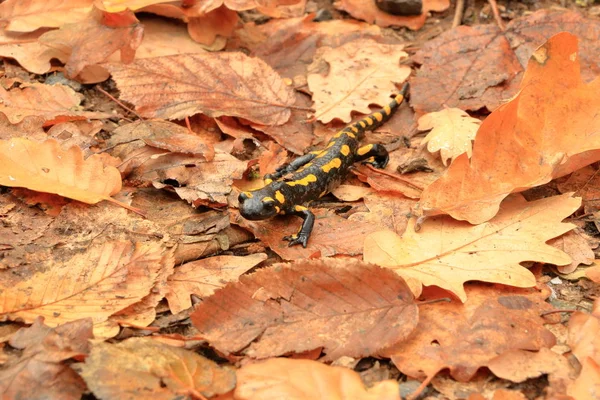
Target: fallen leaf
[(547, 131), (361, 72), (89, 42), (55, 103), (481, 66), (46, 168), (447, 253), (452, 131), (345, 306), (594, 273), (282, 378), (520, 365), (273, 157), (583, 334), (578, 245), (96, 283), (219, 22), (41, 372), (29, 15), (465, 337), (178, 86), (587, 384), (204, 277), (369, 12), (144, 368), (115, 6)]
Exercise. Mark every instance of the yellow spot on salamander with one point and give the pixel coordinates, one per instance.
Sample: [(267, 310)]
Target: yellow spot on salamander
[(351, 134), (277, 209), (364, 150), (345, 150), (330, 144), (335, 163), (369, 120), (268, 200), (387, 110), (378, 116), (337, 135), (355, 129), (362, 123), (248, 195), (304, 181), (300, 208), (280, 197), (399, 99), (268, 181)]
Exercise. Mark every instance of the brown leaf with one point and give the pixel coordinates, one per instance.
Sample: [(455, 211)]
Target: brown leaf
[(220, 22), (214, 84), (520, 365), (54, 103), (40, 371), (466, 337), (144, 368), (96, 283), (204, 277), (361, 72), (547, 131), (578, 245), (587, 385), (583, 334), (115, 6), (29, 15), (481, 65), (447, 253), (46, 168), (369, 12), (28, 52), (345, 306), (282, 378)]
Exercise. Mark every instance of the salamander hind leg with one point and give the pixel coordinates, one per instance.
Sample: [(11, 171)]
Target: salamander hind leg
[(305, 230), (374, 154)]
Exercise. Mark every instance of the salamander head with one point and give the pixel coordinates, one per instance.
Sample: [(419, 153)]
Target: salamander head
[(258, 205)]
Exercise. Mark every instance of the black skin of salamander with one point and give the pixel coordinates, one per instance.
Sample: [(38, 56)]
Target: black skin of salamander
[(315, 174)]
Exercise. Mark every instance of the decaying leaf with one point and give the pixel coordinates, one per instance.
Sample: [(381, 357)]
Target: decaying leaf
[(182, 85), (578, 245), (549, 130), (452, 131), (344, 306), (447, 253), (520, 365), (29, 15), (466, 337), (146, 369), (282, 378), (46, 168), (361, 72)]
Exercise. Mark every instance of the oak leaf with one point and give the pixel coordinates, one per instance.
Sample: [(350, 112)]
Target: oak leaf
[(292, 379), (578, 245), (115, 6), (96, 283), (29, 15), (203, 277), (520, 365), (144, 368), (465, 337), (548, 130), (481, 66), (206, 28), (46, 168), (216, 84), (361, 72), (452, 131), (447, 253), (345, 306), (369, 12)]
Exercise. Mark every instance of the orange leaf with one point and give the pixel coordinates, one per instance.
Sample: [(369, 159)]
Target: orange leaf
[(361, 72), (290, 379), (220, 22), (46, 168), (159, 371), (115, 6), (587, 384), (346, 307), (28, 51), (29, 15), (448, 253), (550, 129), (214, 84), (583, 338)]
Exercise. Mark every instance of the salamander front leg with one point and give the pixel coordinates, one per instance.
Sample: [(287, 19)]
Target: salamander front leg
[(305, 230), (291, 167), (374, 154)]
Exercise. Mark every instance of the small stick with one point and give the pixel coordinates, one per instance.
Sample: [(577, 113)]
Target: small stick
[(494, 6), (458, 13), (556, 312), (118, 102), (444, 299)]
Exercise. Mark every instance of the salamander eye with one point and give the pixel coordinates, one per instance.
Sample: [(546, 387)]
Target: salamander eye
[(269, 205), (243, 197)]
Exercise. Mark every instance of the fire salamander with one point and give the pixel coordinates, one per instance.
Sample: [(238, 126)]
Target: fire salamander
[(313, 175)]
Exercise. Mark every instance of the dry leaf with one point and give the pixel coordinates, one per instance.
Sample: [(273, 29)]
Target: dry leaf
[(587, 385), (96, 283), (583, 338), (520, 365), (204, 277), (214, 84), (360, 73), (282, 378), (46, 168), (29, 15), (578, 245), (115, 6), (452, 131), (549, 130), (346, 307), (144, 368), (448, 253), (206, 28), (466, 337)]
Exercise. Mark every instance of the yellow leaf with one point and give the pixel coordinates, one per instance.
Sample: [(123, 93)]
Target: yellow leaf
[(452, 131), (447, 253)]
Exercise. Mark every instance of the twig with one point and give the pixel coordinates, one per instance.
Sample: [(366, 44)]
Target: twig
[(556, 312), (496, 14), (458, 13), (443, 299), (110, 96)]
